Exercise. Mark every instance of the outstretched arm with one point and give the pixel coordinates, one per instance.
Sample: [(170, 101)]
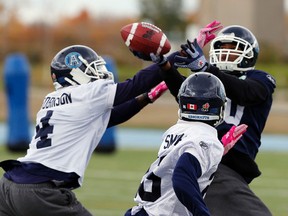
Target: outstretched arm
[(252, 91), (142, 82), (168, 72), (172, 78), (127, 110)]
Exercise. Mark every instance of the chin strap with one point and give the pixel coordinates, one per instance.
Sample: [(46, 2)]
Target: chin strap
[(79, 76)]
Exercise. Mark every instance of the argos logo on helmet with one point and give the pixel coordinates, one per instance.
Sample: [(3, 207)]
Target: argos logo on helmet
[(72, 60)]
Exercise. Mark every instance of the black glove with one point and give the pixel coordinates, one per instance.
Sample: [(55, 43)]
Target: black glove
[(159, 59), (141, 55), (195, 59)]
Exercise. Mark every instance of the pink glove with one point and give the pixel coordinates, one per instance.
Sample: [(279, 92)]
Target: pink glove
[(156, 92), (207, 33), (232, 136)]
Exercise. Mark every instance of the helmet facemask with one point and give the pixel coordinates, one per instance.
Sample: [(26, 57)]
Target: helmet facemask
[(96, 69), (240, 57), (93, 71)]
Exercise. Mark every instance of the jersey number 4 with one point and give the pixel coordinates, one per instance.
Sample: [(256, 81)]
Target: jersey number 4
[(42, 131)]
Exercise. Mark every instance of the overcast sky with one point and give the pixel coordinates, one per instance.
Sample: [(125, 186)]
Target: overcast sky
[(31, 10)]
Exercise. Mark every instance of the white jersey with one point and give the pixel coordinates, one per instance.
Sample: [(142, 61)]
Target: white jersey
[(196, 138), (70, 125)]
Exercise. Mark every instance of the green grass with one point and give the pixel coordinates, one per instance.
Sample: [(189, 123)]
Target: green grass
[(111, 180)]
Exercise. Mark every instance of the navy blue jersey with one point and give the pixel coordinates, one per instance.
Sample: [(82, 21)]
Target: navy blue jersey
[(249, 102), (255, 116)]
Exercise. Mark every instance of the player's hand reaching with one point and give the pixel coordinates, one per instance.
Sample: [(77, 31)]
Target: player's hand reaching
[(159, 59), (157, 91), (141, 55), (232, 136), (207, 33), (194, 58)]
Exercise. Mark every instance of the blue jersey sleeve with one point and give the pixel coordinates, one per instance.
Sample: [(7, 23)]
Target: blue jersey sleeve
[(142, 82), (185, 184), (252, 89), (124, 112), (266, 79), (125, 105)]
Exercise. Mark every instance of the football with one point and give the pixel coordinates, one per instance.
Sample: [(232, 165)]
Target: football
[(145, 38)]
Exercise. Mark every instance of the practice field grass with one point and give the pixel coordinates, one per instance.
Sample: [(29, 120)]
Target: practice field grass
[(111, 180)]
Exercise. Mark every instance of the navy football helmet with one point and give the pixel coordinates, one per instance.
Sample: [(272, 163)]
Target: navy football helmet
[(202, 98), (76, 65), (246, 49)]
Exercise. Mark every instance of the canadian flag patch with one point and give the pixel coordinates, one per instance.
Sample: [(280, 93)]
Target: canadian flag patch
[(191, 106)]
